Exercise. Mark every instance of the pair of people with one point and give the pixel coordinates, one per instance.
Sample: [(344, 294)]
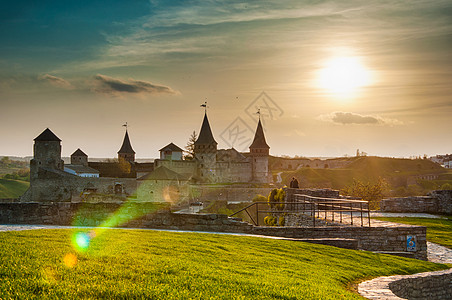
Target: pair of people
[(294, 183)]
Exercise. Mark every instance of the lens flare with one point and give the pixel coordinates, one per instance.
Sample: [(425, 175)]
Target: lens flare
[(70, 260), (81, 241)]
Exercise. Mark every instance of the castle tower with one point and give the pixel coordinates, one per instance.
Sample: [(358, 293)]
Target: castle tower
[(206, 152), (259, 152), (126, 152), (46, 153), (79, 158)]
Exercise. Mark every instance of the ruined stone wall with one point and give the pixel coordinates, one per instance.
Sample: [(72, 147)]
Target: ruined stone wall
[(429, 285), (70, 188), (321, 193), (206, 193), (435, 202), (152, 215)]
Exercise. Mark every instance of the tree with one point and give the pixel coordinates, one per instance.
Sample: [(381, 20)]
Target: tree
[(190, 147), (373, 193), (5, 161)]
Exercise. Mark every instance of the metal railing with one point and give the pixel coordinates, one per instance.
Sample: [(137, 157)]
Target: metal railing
[(326, 209)]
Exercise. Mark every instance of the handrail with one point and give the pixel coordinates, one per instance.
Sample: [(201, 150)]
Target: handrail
[(313, 208)]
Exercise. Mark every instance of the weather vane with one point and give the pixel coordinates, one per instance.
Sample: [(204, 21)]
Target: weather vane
[(259, 113), (125, 125), (205, 106)]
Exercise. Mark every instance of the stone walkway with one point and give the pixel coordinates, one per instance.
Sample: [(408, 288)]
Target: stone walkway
[(378, 288)]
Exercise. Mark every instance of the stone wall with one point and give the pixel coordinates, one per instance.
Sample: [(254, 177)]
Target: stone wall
[(430, 285), (321, 193), (157, 215), (382, 239), (436, 202)]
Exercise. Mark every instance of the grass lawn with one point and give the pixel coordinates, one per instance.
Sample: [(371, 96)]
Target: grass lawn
[(438, 230), (10, 188), (128, 264)]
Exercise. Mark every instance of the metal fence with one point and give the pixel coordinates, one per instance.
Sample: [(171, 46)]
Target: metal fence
[(337, 211)]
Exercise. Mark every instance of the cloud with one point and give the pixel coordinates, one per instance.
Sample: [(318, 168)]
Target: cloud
[(109, 85), (56, 81), (346, 118)]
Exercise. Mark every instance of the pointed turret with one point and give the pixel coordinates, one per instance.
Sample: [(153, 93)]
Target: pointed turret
[(205, 135), (126, 152), (206, 152), (259, 138), (259, 151)]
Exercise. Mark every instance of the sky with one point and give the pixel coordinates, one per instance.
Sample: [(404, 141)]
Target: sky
[(327, 77)]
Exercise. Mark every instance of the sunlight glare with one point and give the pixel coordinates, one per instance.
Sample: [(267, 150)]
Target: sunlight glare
[(343, 76)]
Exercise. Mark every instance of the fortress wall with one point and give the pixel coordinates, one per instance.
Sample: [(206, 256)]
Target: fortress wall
[(157, 215), (437, 202), (67, 188)]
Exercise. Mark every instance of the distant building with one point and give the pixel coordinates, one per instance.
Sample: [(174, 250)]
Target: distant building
[(171, 152)]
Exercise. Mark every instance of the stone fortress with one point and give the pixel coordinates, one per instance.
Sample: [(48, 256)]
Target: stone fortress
[(169, 178)]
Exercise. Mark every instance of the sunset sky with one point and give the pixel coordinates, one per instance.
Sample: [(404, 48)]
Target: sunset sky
[(329, 77)]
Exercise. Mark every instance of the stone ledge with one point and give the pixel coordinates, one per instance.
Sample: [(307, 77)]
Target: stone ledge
[(380, 288)]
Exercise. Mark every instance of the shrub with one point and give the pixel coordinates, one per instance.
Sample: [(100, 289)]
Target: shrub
[(272, 200), (280, 197), (282, 221), (270, 221), (446, 186), (259, 198)]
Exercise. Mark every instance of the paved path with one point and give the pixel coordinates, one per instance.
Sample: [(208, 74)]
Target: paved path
[(378, 288)]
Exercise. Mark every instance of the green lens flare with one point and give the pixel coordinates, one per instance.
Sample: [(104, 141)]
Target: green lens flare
[(81, 241)]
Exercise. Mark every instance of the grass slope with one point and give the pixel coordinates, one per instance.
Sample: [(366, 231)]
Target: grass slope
[(367, 169), (128, 264), (12, 188), (438, 230)]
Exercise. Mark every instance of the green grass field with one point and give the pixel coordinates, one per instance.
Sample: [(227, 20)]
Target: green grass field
[(438, 230), (12, 188), (130, 264)]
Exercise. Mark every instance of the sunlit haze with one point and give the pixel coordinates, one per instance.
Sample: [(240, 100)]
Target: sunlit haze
[(329, 77)]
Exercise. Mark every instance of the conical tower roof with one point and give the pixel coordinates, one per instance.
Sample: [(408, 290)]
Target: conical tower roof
[(205, 135), (126, 146), (259, 138), (47, 136)]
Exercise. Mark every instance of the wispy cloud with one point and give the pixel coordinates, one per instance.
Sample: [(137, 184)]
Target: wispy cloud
[(56, 81), (348, 118), (113, 86)]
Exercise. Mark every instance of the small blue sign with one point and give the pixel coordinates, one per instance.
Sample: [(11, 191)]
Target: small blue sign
[(410, 243)]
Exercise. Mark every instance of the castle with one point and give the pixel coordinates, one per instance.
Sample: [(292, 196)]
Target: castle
[(171, 176)]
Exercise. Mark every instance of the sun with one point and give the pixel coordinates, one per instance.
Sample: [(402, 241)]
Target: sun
[(342, 77)]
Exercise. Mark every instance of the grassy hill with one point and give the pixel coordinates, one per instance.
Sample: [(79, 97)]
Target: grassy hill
[(399, 173), (12, 188), (145, 264)]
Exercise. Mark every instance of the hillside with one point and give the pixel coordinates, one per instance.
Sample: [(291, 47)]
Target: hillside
[(12, 188), (404, 176)]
